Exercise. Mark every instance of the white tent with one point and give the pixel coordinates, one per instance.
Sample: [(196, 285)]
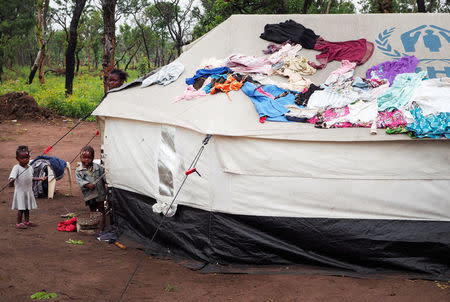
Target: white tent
[(281, 192)]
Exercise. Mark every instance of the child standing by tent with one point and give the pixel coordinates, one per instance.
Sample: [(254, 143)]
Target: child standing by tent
[(22, 177), (91, 179)]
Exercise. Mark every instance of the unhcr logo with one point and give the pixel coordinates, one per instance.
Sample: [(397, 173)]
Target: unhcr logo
[(429, 43)]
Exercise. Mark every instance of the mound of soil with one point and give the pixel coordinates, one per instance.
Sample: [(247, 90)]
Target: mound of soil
[(21, 105)]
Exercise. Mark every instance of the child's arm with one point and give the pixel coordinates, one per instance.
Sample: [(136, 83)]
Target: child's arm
[(40, 178), (12, 176), (83, 183)]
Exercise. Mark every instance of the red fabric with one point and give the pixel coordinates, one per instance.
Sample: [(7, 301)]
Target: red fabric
[(69, 225), (358, 51), (262, 119)]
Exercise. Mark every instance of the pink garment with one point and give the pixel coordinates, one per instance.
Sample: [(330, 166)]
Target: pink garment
[(345, 67), (358, 51), (390, 119), (330, 114), (191, 93), (250, 64), (385, 119), (260, 90)]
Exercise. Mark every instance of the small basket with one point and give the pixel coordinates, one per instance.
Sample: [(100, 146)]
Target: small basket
[(89, 220)]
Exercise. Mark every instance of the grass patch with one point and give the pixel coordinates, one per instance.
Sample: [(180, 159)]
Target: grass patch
[(87, 91)]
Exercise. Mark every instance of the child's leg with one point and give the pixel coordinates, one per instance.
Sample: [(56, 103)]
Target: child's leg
[(27, 215), (19, 216)]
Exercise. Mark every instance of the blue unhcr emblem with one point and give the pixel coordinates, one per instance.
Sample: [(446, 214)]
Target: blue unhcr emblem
[(433, 37), (428, 43)]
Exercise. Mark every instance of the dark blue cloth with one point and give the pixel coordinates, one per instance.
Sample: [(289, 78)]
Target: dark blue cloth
[(58, 165), (207, 73), (274, 109)]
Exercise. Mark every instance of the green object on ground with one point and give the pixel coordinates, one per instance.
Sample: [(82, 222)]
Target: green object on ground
[(71, 241), (43, 295), (397, 130)]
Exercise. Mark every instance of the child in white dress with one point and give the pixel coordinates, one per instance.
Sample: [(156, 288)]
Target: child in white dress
[(22, 178)]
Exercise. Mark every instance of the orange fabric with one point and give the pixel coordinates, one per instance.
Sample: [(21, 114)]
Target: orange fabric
[(230, 84)]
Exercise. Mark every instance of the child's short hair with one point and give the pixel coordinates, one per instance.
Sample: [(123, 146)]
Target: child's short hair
[(88, 149), (22, 149), (122, 74)]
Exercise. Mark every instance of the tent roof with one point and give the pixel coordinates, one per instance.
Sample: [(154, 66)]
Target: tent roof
[(215, 114)]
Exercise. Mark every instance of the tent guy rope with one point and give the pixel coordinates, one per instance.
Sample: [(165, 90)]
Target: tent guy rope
[(188, 172)]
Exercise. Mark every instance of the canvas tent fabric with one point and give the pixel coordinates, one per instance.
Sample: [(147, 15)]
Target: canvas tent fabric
[(276, 193)]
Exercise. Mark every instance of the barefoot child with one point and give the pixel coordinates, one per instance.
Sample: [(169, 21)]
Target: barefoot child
[(22, 177), (91, 179)]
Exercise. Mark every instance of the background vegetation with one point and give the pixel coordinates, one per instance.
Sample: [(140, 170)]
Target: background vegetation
[(148, 34)]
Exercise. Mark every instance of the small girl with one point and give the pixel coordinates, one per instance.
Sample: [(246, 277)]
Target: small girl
[(22, 177)]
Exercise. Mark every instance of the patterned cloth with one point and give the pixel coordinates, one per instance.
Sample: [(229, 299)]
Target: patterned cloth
[(434, 126), (390, 69)]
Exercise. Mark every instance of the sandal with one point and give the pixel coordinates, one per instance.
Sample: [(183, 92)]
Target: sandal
[(21, 226), (30, 224)]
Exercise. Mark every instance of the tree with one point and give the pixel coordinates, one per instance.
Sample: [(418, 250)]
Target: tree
[(72, 45), (177, 22), (16, 20), (41, 32), (217, 11), (109, 38)]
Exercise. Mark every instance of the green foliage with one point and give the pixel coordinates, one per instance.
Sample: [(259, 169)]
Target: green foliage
[(170, 288), (76, 242), (88, 92), (217, 11), (143, 66), (43, 295), (16, 21)]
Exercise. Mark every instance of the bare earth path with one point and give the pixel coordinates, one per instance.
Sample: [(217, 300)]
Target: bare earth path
[(38, 258)]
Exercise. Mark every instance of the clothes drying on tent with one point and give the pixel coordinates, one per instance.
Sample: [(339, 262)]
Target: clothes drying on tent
[(433, 126), (292, 31), (207, 72), (433, 96), (165, 75), (400, 93), (40, 165), (390, 69), (302, 98), (358, 51), (267, 101), (250, 64)]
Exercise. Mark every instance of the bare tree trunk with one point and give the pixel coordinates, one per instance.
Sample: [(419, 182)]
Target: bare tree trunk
[(77, 56), (421, 6), (147, 52), (306, 5), (385, 6), (109, 39), (40, 35), (329, 6), (132, 56), (72, 45), (89, 56)]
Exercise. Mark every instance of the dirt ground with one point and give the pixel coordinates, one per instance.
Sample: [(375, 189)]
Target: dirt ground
[(38, 258)]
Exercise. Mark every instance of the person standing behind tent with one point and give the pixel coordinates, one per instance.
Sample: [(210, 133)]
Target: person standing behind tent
[(116, 78), (91, 179)]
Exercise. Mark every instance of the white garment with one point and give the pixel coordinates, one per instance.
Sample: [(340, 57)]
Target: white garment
[(328, 98), (211, 63), (23, 192), (287, 50), (433, 96), (165, 75), (296, 111), (359, 113), (162, 207)]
